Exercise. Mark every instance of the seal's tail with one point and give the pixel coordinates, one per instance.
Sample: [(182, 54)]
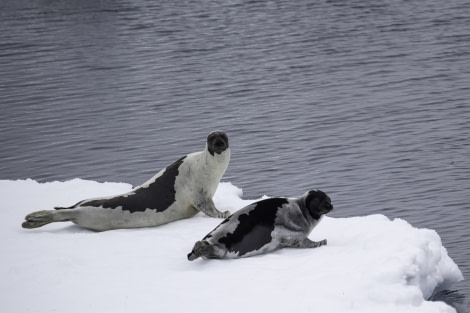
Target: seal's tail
[(41, 218), (201, 249)]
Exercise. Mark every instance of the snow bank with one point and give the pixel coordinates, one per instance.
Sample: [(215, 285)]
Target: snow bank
[(371, 264)]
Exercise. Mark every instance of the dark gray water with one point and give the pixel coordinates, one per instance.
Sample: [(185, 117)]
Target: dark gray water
[(366, 100)]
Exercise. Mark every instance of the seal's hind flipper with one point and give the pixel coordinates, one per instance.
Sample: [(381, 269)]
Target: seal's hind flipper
[(38, 219), (201, 249), (41, 218)]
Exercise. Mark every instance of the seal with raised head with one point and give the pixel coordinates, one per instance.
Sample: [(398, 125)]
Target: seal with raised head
[(179, 191), (265, 226)]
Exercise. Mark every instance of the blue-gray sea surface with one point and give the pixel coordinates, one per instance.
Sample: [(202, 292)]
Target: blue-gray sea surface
[(366, 100)]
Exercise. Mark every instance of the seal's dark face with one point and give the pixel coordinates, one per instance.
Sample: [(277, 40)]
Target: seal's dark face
[(217, 142), (318, 203)]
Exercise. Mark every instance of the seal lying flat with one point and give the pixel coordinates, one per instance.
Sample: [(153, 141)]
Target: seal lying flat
[(179, 191), (265, 226)]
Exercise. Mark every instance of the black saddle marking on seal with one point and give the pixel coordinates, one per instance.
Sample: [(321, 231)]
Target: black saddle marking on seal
[(254, 228), (158, 196)]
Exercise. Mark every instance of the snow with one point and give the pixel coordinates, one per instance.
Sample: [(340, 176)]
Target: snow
[(371, 263)]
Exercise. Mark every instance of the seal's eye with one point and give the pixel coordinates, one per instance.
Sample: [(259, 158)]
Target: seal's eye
[(313, 203)]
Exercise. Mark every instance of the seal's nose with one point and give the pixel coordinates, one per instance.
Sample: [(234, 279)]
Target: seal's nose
[(328, 207), (219, 143)]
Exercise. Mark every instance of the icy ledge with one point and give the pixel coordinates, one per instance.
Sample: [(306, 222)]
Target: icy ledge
[(371, 263)]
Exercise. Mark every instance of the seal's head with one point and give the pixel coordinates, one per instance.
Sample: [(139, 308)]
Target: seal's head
[(217, 142), (317, 203)]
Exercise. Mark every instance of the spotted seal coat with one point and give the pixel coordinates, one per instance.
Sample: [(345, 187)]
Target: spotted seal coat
[(179, 191), (265, 226)]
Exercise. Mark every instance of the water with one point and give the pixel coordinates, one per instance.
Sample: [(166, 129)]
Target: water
[(366, 100)]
